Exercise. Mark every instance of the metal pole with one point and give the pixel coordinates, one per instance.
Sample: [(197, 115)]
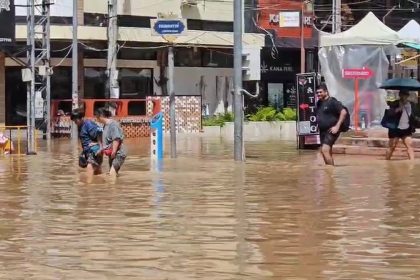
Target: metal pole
[(112, 49), (31, 111), (238, 101), (29, 85), (388, 13), (48, 77), (75, 68), (337, 22), (171, 68), (336, 18), (302, 39)]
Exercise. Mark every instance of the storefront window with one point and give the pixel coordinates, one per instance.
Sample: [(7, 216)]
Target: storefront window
[(218, 58), (188, 57), (95, 83), (137, 54), (135, 83), (15, 97), (61, 83)]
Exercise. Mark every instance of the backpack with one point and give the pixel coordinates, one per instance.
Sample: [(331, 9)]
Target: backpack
[(345, 126)]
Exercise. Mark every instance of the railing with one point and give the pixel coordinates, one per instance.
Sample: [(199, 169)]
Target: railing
[(133, 114), (15, 133)]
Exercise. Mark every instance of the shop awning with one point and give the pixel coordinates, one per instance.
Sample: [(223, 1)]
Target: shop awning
[(415, 46)]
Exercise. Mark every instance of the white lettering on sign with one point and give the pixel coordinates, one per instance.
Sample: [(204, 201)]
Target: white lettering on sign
[(312, 109), (4, 5), (175, 25), (356, 73)]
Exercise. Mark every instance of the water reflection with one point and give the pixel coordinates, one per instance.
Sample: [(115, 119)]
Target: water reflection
[(281, 215)]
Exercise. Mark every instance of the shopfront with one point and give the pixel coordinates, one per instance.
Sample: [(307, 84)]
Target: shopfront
[(278, 77)]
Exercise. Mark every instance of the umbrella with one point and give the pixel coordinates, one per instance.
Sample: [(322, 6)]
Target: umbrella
[(401, 84)]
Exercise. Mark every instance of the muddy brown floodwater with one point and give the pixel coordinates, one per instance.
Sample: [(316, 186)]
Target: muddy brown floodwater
[(281, 215)]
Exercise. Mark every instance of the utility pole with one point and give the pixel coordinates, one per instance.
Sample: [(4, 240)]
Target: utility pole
[(38, 55), (336, 26), (30, 96), (113, 87), (172, 105), (237, 96), (75, 68), (302, 38)]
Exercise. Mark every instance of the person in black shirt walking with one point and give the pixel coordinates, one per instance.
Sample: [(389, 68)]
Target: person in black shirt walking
[(330, 115)]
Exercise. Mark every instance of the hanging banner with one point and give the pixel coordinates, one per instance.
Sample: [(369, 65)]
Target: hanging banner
[(7, 22), (306, 93)]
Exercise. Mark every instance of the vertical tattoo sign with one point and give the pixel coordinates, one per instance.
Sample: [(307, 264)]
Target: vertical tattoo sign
[(306, 89)]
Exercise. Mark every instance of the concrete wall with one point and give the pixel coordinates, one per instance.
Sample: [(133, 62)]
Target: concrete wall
[(206, 10), (212, 84), (256, 131)]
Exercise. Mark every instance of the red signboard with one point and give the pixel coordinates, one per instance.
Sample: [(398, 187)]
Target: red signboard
[(270, 14), (357, 73)]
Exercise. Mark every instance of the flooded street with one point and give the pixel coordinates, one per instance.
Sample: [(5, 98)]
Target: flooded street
[(282, 215)]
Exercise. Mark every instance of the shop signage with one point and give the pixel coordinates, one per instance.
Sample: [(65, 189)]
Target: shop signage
[(289, 19), (357, 73), (266, 69), (169, 26), (276, 19), (306, 94), (7, 22)]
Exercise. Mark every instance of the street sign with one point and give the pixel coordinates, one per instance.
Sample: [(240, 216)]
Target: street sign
[(357, 73), (162, 27), (306, 94)]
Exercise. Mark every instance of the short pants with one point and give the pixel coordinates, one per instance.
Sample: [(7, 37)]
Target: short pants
[(117, 162), (399, 133), (93, 156), (327, 138)]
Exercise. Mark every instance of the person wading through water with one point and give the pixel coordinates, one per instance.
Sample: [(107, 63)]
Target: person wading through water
[(90, 135), (402, 111), (113, 137), (330, 115)]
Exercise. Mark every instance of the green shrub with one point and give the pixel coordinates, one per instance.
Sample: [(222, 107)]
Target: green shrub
[(218, 120), (270, 114), (289, 114)]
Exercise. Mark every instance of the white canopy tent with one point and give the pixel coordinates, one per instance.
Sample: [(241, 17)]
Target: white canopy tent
[(365, 45), (410, 32), (369, 31)]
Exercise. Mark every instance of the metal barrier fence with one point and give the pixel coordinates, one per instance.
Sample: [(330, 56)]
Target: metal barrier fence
[(16, 139)]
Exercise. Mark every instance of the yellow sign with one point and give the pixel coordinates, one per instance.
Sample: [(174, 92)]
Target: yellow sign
[(406, 55)]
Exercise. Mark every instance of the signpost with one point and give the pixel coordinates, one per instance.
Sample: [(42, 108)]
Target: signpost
[(307, 125), (170, 27), (356, 74)]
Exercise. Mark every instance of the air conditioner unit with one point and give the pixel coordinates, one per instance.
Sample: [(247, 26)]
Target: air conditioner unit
[(189, 2)]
